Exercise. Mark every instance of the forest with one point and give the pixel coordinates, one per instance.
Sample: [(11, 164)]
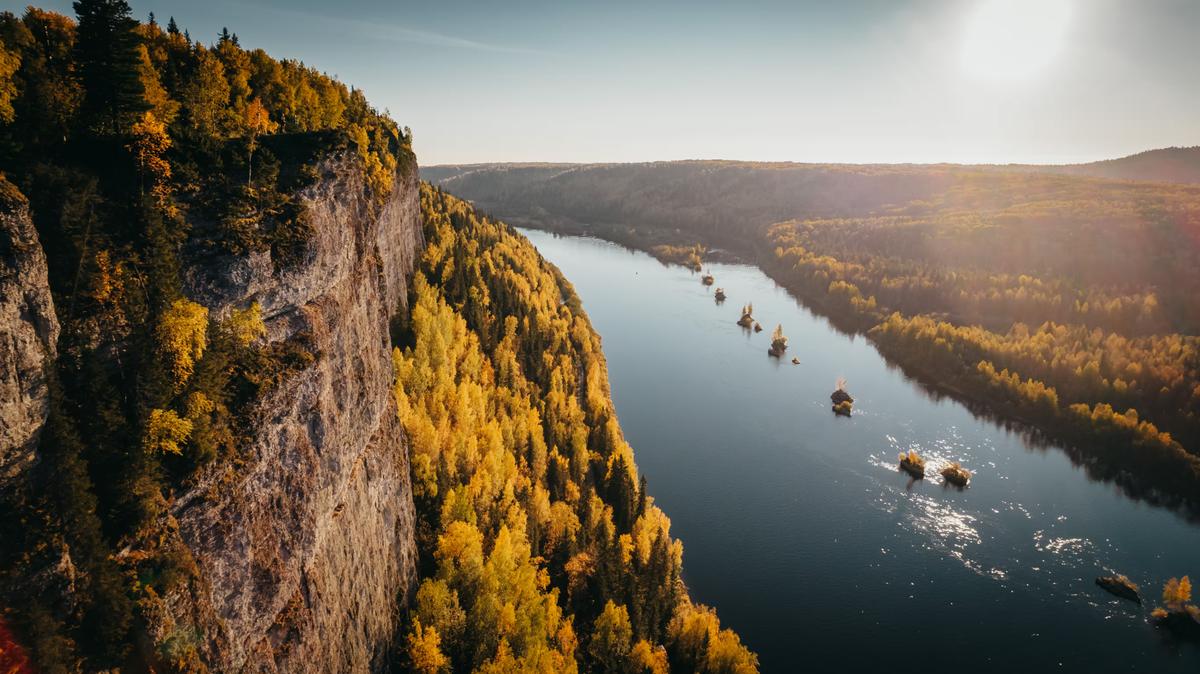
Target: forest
[(1080, 289), (541, 549)]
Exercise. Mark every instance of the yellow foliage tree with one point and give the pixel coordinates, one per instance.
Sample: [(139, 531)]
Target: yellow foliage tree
[(182, 337), (166, 431), (700, 644), (10, 61), (161, 103), (148, 145), (246, 325), (647, 658), (424, 650), (612, 635), (256, 121), (1177, 592)]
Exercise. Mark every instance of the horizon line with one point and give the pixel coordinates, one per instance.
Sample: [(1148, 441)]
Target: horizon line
[(810, 162)]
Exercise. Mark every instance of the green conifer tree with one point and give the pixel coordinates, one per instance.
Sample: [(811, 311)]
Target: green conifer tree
[(107, 51)]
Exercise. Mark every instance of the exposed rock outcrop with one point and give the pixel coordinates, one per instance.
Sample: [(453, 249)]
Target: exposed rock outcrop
[(913, 463), (305, 554), (779, 343), (747, 318), (28, 337), (956, 475), (1120, 586)]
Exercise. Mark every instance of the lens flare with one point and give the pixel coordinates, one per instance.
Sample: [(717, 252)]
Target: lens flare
[(1013, 40)]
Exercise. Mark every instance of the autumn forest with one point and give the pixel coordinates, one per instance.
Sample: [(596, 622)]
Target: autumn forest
[(276, 398)]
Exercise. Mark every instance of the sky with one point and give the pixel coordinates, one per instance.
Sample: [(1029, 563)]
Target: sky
[(860, 81)]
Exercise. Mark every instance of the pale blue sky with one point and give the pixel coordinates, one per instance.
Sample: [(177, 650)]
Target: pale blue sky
[(882, 81)]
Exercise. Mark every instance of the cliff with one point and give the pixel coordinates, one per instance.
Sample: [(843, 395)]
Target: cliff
[(29, 339), (303, 547), (305, 553)]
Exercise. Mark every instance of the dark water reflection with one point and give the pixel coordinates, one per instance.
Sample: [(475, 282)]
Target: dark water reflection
[(798, 526)]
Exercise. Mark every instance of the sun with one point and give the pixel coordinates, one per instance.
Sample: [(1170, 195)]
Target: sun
[(1013, 40)]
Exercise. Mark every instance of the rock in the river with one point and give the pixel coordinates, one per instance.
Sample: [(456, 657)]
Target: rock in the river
[(913, 464), (779, 343), (747, 318), (1121, 587), (840, 396), (956, 475)]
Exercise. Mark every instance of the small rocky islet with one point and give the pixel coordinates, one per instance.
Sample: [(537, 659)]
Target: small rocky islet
[(956, 475), (843, 402), (913, 463), (1120, 586), (747, 319), (779, 342)]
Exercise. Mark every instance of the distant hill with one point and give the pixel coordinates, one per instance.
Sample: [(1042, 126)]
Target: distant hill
[(1166, 165), (1179, 165)]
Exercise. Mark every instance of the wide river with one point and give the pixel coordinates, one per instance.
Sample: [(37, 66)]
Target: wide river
[(797, 525)]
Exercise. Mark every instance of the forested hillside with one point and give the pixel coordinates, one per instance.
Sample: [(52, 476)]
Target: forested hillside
[(1168, 165), (1079, 290), (541, 549)]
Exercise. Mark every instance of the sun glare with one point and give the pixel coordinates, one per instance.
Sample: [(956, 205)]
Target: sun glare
[(1013, 40)]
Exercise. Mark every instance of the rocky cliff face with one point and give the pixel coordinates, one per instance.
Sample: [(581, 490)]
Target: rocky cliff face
[(305, 554), (27, 343)]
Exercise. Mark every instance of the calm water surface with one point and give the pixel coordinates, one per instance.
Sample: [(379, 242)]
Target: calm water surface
[(797, 525)]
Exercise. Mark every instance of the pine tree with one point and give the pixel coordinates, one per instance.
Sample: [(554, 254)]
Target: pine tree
[(172, 27), (622, 495), (109, 63)]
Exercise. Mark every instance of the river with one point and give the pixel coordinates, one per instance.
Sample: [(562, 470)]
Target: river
[(797, 525)]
